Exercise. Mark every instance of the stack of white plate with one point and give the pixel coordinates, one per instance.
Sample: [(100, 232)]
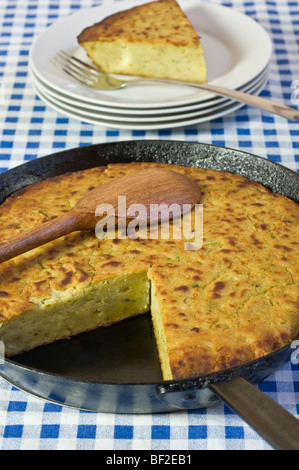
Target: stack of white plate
[(237, 51)]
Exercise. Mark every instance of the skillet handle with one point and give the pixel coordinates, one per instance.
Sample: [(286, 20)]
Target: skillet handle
[(276, 425)]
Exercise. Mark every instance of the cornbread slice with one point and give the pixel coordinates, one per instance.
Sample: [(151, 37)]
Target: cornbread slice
[(77, 310), (152, 40), (233, 300)]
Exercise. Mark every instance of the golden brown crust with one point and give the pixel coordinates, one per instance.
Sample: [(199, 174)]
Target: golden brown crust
[(160, 21), (233, 300), (237, 298)]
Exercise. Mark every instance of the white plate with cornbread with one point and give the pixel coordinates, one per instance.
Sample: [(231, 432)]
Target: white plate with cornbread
[(230, 41)]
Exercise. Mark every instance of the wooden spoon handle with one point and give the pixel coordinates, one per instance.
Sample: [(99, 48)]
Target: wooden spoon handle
[(40, 235)]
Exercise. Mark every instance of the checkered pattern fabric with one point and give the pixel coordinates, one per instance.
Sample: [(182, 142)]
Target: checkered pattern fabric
[(30, 129)]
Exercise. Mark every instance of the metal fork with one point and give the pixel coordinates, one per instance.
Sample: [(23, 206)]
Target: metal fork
[(94, 78)]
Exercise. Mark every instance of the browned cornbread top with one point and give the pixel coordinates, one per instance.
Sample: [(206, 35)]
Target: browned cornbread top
[(155, 22), (233, 300)]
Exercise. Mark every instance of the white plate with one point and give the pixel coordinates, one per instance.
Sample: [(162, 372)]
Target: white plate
[(202, 105), (86, 112), (137, 125), (236, 48)]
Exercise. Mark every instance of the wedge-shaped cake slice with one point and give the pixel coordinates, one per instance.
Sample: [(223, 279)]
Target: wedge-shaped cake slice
[(151, 40)]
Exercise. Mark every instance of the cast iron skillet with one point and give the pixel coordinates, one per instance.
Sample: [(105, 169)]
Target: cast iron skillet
[(116, 369)]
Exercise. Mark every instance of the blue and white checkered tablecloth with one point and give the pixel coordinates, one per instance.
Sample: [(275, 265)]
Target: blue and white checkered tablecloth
[(30, 129)]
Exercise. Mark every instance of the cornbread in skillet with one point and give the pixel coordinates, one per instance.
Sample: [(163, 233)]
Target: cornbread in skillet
[(152, 40), (233, 300)]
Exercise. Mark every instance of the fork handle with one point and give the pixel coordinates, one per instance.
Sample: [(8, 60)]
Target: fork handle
[(256, 101), (252, 100)]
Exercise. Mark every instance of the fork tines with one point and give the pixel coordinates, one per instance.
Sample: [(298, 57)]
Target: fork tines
[(76, 67)]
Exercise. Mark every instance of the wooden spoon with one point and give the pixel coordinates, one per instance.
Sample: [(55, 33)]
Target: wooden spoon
[(146, 187)]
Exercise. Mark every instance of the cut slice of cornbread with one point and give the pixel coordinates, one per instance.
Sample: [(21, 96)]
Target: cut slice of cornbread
[(152, 40), (73, 311)]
